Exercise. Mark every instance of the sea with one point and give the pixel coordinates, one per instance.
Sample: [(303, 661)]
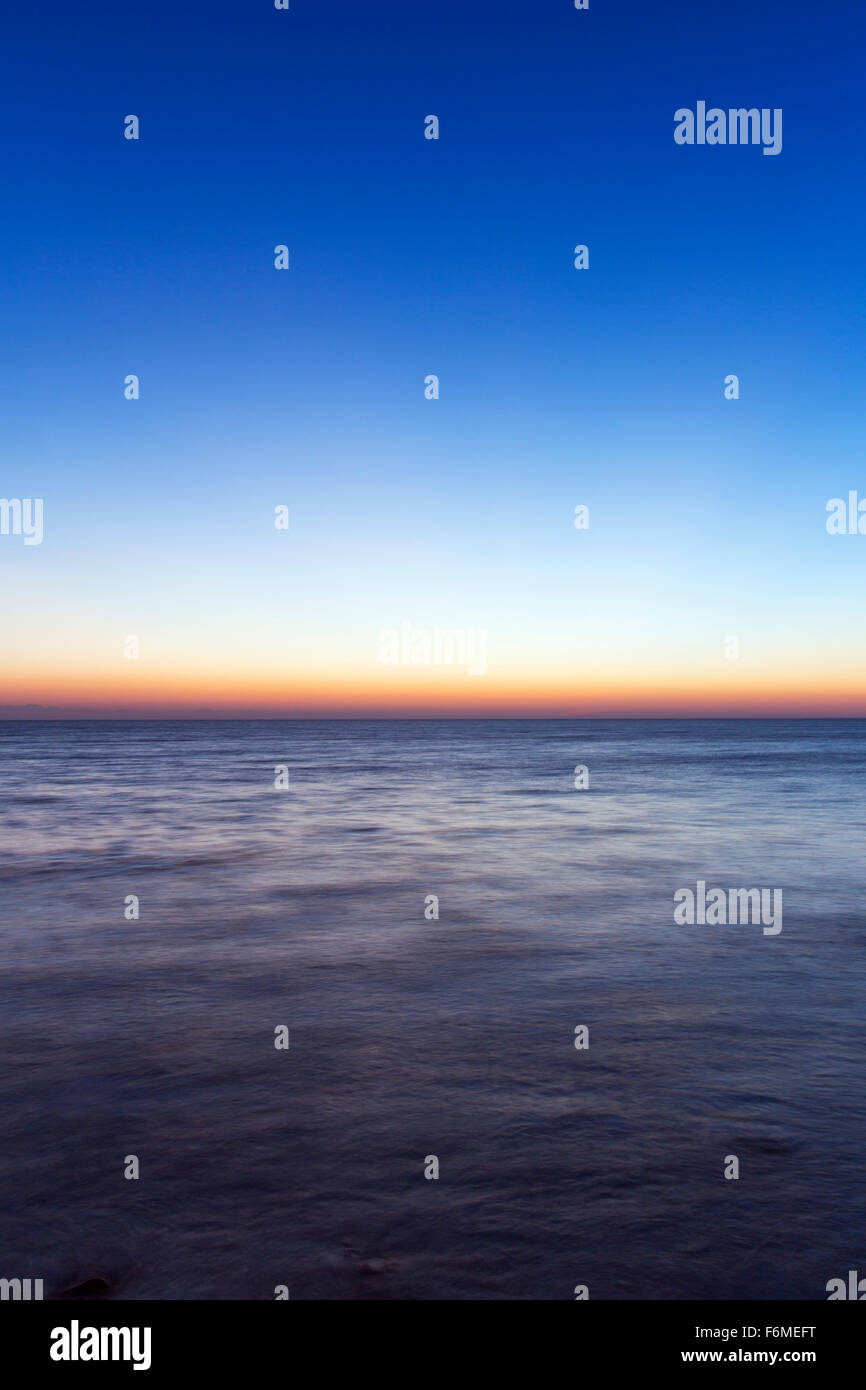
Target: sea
[(399, 1009)]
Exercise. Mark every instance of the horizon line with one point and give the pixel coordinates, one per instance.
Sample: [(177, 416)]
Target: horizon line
[(59, 716)]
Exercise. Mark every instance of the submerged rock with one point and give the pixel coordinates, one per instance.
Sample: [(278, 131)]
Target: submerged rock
[(95, 1287)]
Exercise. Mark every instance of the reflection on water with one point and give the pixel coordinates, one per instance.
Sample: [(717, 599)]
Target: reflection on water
[(410, 1036)]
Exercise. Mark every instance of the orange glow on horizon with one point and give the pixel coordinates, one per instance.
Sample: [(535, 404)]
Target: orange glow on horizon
[(417, 692)]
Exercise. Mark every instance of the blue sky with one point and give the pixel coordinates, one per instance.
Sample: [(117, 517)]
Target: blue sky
[(408, 257)]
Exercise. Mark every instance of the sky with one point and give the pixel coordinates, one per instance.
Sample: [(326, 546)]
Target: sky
[(706, 582)]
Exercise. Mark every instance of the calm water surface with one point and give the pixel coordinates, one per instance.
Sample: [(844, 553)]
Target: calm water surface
[(412, 1037)]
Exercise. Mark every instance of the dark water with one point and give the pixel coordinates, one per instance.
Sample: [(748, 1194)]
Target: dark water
[(414, 1037)]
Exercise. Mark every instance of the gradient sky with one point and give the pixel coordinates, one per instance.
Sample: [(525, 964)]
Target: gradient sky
[(409, 257)]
